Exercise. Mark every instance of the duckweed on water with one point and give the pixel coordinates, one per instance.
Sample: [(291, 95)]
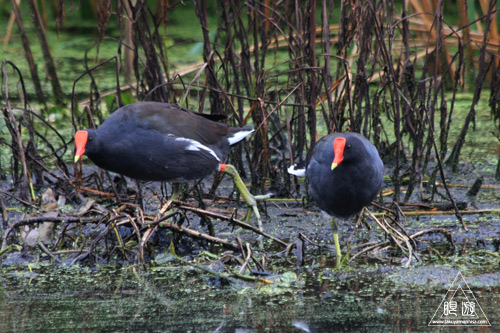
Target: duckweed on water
[(119, 299)]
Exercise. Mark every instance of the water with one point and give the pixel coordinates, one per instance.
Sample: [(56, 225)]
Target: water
[(184, 300)]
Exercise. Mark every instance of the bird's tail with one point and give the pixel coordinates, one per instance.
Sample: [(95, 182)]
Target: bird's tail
[(238, 134), (297, 171)]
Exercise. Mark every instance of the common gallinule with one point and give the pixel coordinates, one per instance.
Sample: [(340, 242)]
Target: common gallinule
[(344, 173), (163, 142)]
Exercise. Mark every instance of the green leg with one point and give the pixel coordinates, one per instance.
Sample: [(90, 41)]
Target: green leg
[(335, 231), (249, 198), (177, 189)]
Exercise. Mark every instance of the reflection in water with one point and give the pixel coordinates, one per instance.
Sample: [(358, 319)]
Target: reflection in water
[(115, 300)]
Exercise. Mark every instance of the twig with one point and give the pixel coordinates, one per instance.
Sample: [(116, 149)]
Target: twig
[(369, 248), (450, 212), (401, 237), (374, 245), (444, 231), (18, 199), (222, 276), (490, 253), (247, 259), (197, 234), (95, 192), (44, 249), (40, 219), (230, 219), (94, 243), (68, 252), (483, 186)]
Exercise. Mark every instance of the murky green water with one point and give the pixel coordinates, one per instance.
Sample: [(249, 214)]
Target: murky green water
[(387, 298)]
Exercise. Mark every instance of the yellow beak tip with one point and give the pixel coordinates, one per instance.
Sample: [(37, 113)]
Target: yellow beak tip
[(77, 158), (334, 165)]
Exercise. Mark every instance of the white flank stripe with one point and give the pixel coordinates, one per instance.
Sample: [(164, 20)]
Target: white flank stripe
[(196, 146), (296, 172), (238, 136)]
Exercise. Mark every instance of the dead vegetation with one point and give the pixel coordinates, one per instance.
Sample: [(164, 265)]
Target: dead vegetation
[(391, 71)]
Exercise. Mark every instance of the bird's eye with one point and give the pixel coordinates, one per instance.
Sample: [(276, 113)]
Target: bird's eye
[(90, 138), (348, 146)]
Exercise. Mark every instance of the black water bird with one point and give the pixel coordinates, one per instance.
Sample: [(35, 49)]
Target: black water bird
[(344, 173), (163, 142)]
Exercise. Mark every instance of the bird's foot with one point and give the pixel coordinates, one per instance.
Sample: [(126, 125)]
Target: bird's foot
[(338, 263), (177, 194), (335, 231), (341, 261), (250, 199)]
